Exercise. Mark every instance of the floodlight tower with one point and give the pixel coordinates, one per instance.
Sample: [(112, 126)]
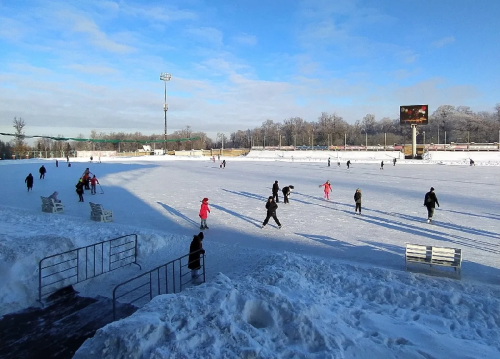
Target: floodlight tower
[(164, 76)]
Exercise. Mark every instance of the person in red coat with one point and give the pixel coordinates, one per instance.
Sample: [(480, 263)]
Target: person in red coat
[(328, 189), (204, 211)]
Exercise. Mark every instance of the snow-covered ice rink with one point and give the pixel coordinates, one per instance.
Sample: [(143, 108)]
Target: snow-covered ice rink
[(329, 284)]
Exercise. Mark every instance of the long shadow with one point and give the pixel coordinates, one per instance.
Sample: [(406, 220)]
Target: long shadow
[(238, 215), (429, 233), (248, 195), (447, 225), (175, 212), (490, 215)]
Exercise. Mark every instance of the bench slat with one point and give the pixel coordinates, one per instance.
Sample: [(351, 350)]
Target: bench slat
[(441, 256)]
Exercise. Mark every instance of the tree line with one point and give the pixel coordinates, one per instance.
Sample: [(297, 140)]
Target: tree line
[(446, 124)]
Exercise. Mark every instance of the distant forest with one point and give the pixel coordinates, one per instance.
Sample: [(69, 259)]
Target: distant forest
[(446, 124)]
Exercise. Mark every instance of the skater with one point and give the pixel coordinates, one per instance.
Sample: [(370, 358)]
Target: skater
[(472, 162), (223, 163), (286, 193), (79, 189), (357, 200), (328, 189), (382, 165), (29, 182), (91, 158), (42, 171), (54, 197), (276, 188), (204, 211), (86, 178), (213, 159), (195, 251), (430, 202), (338, 164), (218, 157), (394, 161), (271, 207), (93, 182), (348, 163), (57, 163), (328, 161)]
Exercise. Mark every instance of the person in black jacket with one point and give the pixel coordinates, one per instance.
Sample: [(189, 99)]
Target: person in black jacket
[(276, 188), (29, 182), (357, 200), (430, 202), (79, 189), (195, 251), (286, 193), (42, 171), (271, 207)]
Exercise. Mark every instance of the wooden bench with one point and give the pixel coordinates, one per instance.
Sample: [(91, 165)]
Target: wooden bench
[(49, 206), (99, 214), (440, 256)]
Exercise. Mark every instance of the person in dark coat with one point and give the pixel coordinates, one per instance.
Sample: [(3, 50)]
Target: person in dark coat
[(42, 171), (271, 207), (57, 163), (29, 182), (223, 163), (286, 193), (357, 200), (471, 162), (195, 251), (79, 189), (276, 188), (328, 161), (382, 165), (430, 202), (348, 163), (394, 161)]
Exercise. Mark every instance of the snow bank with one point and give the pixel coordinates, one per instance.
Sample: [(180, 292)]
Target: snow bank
[(301, 307)]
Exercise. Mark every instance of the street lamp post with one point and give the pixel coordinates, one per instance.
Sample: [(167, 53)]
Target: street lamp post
[(164, 76)]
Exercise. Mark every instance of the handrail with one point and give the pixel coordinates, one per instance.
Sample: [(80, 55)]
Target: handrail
[(79, 264), (156, 281)]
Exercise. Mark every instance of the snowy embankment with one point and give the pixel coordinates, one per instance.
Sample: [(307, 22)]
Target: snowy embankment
[(299, 307)]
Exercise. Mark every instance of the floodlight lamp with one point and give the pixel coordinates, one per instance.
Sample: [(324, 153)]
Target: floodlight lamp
[(165, 76)]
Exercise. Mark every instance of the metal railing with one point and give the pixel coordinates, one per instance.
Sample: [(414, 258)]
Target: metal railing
[(160, 280), (78, 265)]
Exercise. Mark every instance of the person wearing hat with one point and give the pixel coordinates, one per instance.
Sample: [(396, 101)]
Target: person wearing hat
[(430, 202), (204, 211), (271, 207), (195, 251), (79, 189), (328, 189), (276, 188), (54, 197), (357, 200)]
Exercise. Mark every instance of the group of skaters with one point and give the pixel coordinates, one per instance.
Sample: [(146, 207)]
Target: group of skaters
[(348, 163), (29, 179), (86, 182)]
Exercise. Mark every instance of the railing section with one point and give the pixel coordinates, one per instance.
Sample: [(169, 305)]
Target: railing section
[(168, 278), (78, 265)]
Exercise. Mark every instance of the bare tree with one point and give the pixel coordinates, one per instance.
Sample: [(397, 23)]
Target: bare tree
[(19, 144)]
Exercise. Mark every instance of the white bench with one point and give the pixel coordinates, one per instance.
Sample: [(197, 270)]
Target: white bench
[(49, 206), (97, 213), (440, 256)]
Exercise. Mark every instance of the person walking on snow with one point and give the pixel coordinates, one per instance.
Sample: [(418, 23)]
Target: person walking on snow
[(348, 163), (357, 200), (93, 183), (286, 193), (275, 190), (29, 182), (328, 189), (204, 211), (328, 161), (394, 161), (430, 202), (382, 165), (271, 207), (195, 251), (79, 190), (42, 171)]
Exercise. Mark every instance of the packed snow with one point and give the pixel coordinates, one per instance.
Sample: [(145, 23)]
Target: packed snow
[(328, 284)]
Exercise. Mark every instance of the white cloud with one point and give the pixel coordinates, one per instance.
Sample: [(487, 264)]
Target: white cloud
[(92, 69), (209, 36), (443, 42), (245, 39)]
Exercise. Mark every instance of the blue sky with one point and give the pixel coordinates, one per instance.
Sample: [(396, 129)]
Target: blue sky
[(69, 67)]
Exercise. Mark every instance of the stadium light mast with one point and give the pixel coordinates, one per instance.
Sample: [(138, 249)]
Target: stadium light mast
[(164, 76)]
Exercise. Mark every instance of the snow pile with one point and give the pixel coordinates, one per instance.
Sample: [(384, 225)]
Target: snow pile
[(301, 307)]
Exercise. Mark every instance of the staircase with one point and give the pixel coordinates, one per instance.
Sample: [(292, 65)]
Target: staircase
[(59, 329)]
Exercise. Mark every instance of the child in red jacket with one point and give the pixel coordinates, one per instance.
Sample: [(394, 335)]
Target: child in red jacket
[(328, 189), (204, 211)]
